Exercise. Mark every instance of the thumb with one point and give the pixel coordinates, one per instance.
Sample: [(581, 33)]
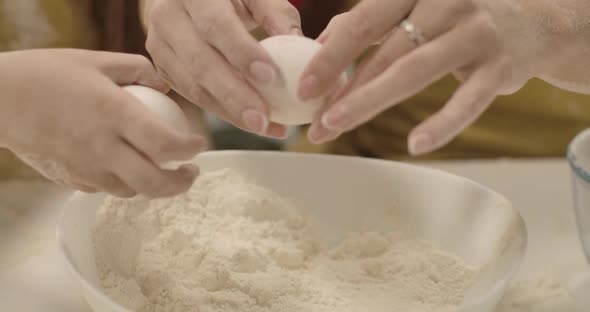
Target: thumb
[(276, 17), (126, 69)]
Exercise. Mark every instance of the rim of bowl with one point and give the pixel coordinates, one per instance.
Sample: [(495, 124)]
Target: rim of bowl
[(581, 138), (501, 283), (97, 292)]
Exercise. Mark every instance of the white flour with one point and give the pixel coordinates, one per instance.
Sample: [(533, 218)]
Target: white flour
[(229, 245), (542, 294)]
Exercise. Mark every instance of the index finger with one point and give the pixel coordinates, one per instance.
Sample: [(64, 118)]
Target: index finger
[(219, 25), (368, 22), (275, 17)]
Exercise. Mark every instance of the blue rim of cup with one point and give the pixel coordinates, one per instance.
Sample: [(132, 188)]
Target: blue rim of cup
[(571, 156)]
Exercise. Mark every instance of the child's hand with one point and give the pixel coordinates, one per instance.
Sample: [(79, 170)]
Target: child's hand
[(63, 112)]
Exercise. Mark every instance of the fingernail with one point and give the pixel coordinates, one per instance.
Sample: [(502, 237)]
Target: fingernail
[(262, 72), (255, 121), (331, 136), (308, 88), (318, 134), (315, 138), (321, 138), (420, 144), (335, 118), (280, 134)]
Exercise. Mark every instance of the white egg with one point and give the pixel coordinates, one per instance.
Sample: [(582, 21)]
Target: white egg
[(291, 54), (166, 109), (161, 105)]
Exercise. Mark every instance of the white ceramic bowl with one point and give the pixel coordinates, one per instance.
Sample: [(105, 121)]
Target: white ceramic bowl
[(345, 194), (579, 160)]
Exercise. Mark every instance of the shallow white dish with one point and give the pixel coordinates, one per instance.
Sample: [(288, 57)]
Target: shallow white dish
[(345, 194)]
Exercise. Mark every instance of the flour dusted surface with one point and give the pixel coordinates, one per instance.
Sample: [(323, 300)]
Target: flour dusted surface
[(230, 245)]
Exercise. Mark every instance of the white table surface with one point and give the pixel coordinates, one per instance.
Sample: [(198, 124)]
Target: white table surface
[(33, 278)]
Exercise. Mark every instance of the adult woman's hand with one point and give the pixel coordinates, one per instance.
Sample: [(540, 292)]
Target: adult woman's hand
[(203, 48), (492, 46), (64, 113)]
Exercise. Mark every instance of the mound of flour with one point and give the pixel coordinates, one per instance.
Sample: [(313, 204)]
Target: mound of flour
[(230, 245), (538, 294)]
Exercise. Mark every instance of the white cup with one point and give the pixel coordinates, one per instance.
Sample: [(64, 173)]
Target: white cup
[(579, 159)]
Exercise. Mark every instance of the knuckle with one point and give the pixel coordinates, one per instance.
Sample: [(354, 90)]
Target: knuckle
[(327, 63), (485, 26), (227, 97), (200, 68), (163, 74), (459, 7), (340, 17), (168, 145), (209, 30), (140, 61), (212, 24), (380, 63), (109, 105), (420, 65), (462, 74), (485, 30), (162, 146), (141, 125), (144, 129), (290, 11), (358, 26), (337, 20), (195, 93)]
